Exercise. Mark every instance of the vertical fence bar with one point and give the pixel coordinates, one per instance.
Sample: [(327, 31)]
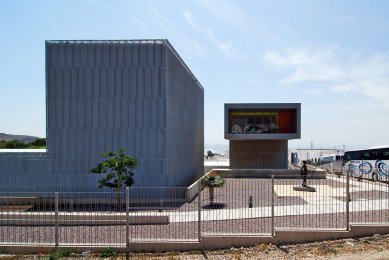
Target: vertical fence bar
[(272, 205), (56, 219), (127, 222), (199, 211), (347, 201)]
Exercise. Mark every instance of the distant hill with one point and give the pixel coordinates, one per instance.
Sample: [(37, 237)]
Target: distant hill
[(22, 138)]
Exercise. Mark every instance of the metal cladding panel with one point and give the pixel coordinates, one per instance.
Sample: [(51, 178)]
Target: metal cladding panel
[(105, 96), (26, 165), (185, 124), (127, 76), (259, 154)]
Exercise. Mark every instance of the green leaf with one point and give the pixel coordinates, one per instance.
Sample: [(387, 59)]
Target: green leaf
[(117, 168), (213, 181)]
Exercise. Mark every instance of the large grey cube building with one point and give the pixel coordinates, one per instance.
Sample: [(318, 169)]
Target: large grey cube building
[(104, 95)]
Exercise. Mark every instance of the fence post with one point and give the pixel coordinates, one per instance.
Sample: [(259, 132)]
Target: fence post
[(272, 206), (56, 219), (347, 201), (127, 220), (199, 211), (332, 168)]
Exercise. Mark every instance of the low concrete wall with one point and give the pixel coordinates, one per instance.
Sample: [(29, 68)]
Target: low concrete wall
[(78, 219), (208, 242), (73, 203), (267, 173), (193, 189), (210, 168)]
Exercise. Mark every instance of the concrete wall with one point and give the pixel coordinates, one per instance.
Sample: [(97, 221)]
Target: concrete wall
[(23, 169), (104, 95), (259, 154)]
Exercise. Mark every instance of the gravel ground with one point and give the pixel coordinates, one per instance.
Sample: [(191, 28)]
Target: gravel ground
[(369, 195), (236, 193), (365, 195)]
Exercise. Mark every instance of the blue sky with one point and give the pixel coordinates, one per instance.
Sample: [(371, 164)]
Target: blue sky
[(332, 56)]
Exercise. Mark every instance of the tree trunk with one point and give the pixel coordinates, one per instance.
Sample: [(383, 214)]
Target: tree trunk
[(118, 195), (118, 199), (211, 195)]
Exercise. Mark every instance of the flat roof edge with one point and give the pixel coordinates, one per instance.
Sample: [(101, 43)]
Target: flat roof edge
[(23, 151), (262, 105), (135, 41), (183, 63)]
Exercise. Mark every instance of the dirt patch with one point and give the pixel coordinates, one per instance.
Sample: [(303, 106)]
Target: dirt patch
[(373, 247)]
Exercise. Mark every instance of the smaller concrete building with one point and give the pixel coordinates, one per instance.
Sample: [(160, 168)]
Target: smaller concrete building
[(259, 133)]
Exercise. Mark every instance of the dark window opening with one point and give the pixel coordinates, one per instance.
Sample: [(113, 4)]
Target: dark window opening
[(261, 122)]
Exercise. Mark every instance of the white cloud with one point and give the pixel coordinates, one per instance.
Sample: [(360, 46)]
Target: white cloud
[(341, 88), (167, 25), (226, 12), (157, 24), (336, 70), (224, 46), (189, 18), (377, 23), (316, 91), (308, 65), (234, 16)]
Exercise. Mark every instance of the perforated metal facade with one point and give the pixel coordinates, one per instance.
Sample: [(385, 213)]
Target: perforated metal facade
[(104, 95)]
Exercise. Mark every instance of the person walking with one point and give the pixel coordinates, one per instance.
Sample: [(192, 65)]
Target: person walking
[(304, 173)]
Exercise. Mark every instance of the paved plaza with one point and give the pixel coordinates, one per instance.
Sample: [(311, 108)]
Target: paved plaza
[(327, 199)]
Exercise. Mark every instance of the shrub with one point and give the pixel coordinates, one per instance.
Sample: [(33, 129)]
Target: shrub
[(59, 253), (212, 181), (108, 252)]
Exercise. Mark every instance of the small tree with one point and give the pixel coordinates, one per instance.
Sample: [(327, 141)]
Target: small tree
[(118, 169), (40, 142), (15, 144), (212, 181)]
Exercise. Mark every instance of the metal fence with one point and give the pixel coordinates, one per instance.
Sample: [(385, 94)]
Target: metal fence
[(320, 205), (241, 207), (97, 218), (333, 167), (369, 200)]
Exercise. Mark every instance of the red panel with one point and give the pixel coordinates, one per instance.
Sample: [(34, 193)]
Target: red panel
[(285, 122)]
